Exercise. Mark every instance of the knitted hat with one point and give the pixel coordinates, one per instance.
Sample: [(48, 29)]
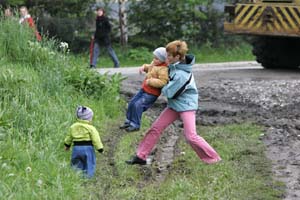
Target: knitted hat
[(84, 113), (160, 53)]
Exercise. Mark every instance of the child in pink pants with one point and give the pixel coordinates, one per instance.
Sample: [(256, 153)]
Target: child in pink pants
[(182, 95)]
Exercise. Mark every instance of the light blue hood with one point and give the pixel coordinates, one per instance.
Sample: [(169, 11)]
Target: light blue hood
[(186, 65), (181, 90)]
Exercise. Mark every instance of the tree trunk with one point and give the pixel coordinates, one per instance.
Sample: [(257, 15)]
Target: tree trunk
[(123, 22)]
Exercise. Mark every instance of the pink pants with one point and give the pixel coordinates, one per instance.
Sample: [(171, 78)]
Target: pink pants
[(204, 151)]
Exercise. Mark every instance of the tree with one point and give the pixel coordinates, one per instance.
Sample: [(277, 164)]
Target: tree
[(123, 22), (160, 21)]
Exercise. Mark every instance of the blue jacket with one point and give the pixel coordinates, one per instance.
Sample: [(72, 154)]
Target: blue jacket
[(181, 90)]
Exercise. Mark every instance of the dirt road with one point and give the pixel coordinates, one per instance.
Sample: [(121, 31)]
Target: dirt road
[(244, 91)]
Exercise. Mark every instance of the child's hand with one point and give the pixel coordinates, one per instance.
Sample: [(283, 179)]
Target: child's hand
[(100, 150), (147, 82), (141, 69)]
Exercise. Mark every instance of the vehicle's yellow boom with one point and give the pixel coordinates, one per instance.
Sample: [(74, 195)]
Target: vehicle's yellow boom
[(273, 18)]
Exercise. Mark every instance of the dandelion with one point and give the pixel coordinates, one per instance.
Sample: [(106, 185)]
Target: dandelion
[(39, 183), (63, 165), (4, 166), (182, 153), (64, 45), (28, 169), (30, 43)]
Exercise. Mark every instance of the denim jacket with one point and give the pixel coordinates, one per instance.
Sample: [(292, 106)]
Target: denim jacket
[(181, 90)]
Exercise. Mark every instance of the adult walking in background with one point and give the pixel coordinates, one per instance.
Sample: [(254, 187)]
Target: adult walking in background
[(27, 19), (101, 38), (182, 95)]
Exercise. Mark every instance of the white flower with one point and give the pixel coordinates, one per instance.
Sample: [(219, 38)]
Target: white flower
[(39, 183), (11, 174), (64, 45), (4, 166), (28, 169)]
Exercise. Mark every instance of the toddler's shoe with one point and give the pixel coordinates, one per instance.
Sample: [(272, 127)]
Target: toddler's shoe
[(136, 160), (132, 128), (125, 125)]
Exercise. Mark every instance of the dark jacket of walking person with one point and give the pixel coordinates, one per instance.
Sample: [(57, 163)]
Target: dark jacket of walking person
[(101, 39)]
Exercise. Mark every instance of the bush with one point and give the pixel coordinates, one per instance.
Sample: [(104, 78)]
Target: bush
[(67, 30), (91, 84), (140, 54)]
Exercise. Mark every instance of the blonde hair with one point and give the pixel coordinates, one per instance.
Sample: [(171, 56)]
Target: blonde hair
[(24, 7), (177, 47)]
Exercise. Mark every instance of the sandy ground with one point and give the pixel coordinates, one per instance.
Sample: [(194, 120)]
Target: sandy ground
[(237, 92)]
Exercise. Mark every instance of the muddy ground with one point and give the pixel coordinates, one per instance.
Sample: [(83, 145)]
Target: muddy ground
[(267, 97)]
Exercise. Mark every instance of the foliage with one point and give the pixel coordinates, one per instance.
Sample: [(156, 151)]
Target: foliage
[(92, 84), (72, 31), (150, 23), (162, 21), (19, 44), (61, 8), (140, 54), (66, 20), (36, 108)]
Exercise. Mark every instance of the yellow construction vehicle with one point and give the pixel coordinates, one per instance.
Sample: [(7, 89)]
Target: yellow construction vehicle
[(275, 25)]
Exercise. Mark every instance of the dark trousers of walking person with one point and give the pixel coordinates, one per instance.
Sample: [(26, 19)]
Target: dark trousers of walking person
[(111, 53)]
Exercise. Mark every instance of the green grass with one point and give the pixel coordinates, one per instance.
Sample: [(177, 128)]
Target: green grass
[(37, 103), (136, 57), (244, 172), (211, 55), (36, 110), (39, 91)]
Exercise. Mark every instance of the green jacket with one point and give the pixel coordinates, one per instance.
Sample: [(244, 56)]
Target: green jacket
[(82, 130)]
